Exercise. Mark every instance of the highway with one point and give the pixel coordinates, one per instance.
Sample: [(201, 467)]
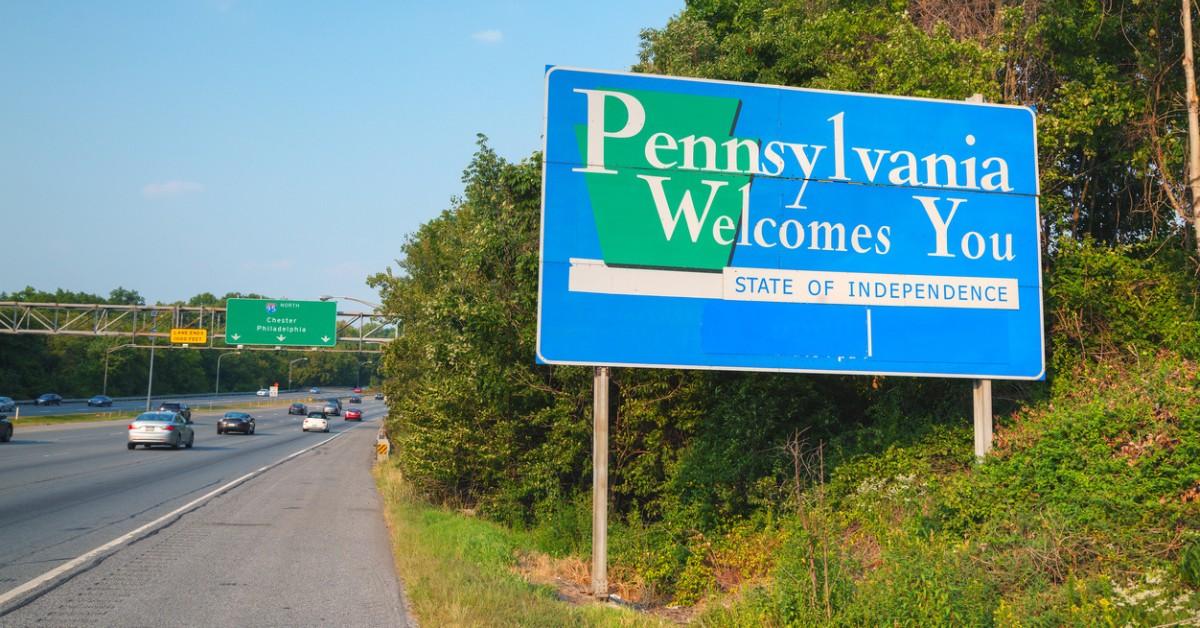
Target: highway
[(135, 405), (300, 542)]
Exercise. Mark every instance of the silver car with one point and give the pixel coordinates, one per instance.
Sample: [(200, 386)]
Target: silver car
[(161, 428), (7, 404)]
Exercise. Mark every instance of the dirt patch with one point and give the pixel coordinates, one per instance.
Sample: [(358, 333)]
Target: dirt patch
[(571, 578)]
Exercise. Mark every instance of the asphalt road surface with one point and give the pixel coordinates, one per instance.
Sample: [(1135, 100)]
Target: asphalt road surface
[(301, 542), (135, 405)]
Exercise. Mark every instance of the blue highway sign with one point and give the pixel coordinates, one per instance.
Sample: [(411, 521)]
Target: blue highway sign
[(704, 224)]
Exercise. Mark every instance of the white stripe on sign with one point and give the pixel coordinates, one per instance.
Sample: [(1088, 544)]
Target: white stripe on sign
[(799, 286)]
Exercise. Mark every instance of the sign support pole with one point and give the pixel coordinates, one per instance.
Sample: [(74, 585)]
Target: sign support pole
[(982, 391), (982, 402), (600, 482)]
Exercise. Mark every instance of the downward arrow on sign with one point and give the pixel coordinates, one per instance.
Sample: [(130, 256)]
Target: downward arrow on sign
[(324, 338), (236, 336), (280, 337)]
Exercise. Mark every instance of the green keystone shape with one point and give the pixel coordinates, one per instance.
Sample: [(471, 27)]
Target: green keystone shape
[(628, 222), (281, 323)]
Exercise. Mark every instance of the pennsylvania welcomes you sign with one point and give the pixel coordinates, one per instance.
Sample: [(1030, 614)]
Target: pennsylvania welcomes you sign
[(704, 224)]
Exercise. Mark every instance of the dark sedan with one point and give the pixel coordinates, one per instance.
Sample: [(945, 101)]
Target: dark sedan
[(48, 399), (100, 401), (356, 400), (236, 422), (298, 408), (176, 406)]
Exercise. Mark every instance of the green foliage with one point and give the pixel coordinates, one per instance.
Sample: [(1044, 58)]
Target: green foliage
[(1092, 493), (1120, 303)]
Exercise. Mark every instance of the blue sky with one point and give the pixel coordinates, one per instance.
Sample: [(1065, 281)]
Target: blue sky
[(284, 148)]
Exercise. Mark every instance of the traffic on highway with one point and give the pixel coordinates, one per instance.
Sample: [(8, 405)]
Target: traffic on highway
[(90, 510)]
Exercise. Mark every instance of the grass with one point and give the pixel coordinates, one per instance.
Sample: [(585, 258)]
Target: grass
[(459, 571)]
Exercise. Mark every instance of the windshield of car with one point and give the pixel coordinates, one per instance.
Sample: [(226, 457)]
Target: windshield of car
[(236, 415), (169, 406), (315, 415), (156, 416)]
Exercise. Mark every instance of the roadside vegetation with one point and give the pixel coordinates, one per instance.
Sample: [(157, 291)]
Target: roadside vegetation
[(769, 499), (461, 571)]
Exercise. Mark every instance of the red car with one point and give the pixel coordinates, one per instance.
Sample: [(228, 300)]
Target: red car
[(353, 415), (357, 389)]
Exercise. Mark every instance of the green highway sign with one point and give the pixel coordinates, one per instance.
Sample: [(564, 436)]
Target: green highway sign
[(281, 323)]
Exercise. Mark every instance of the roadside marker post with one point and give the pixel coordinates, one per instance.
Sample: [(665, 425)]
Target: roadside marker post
[(383, 447)]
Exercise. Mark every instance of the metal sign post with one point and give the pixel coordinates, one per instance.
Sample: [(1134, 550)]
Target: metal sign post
[(600, 482), (982, 402)]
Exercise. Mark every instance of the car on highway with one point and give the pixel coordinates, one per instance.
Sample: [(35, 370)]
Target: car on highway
[(356, 389), (353, 414), (332, 406), (100, 401), (161, 428), (355, 400), (378, 396), (298, 408), (315, 422), (263, 392), (48, 399), (314, 391), (7, 404), (235, 422), (176, 406), (6, 429)]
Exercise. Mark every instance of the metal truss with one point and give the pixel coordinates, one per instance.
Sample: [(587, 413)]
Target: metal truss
[(156, 321)]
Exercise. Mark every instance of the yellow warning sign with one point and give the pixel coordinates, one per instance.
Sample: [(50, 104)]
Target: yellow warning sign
[(189, 336)]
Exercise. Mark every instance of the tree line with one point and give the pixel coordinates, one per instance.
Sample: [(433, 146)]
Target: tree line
[(74, 366)]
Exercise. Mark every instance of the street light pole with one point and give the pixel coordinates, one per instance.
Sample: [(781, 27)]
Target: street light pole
[(153, 343), (219, 357), (290, 370)]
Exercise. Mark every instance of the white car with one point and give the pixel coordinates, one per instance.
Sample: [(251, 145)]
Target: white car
[(263, 392), (315, 422)]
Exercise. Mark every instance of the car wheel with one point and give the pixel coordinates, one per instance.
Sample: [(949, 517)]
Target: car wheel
[(218, 431), (252, 430), (176, 444), (7, 436), (131, 446), (191, 441)]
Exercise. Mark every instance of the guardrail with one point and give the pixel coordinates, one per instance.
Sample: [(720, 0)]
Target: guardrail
[(30, 402)]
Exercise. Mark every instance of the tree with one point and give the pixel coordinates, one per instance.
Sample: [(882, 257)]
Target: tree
[(1193, 113)]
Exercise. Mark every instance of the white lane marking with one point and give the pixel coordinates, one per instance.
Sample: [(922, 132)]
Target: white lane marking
[(33, 584)]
